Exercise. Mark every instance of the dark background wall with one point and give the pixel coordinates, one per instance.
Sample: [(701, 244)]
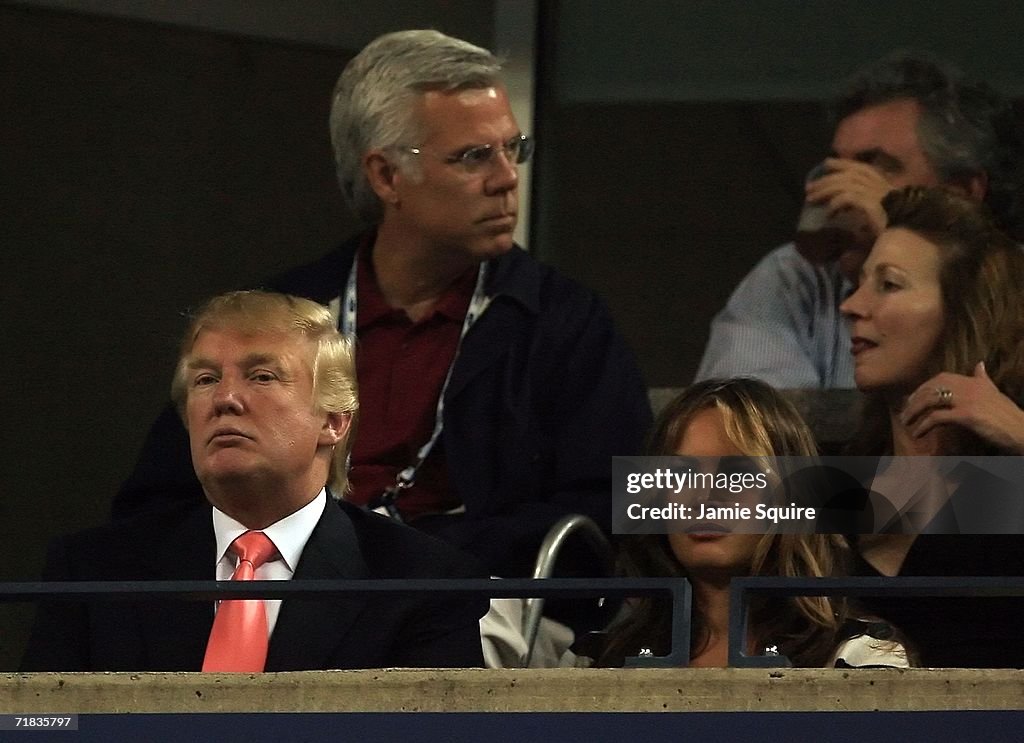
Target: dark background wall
[(676, 135), (149, 159), (144, 167), (662, 208)]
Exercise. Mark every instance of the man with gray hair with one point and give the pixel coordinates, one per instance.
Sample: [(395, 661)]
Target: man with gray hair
[(493, 390), (905, 120)]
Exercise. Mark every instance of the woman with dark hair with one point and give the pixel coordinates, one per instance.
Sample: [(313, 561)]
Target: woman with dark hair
[(742, 418), (937, 326)]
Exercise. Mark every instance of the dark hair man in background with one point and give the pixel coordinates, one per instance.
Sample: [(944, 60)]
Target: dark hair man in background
[(905, 120)]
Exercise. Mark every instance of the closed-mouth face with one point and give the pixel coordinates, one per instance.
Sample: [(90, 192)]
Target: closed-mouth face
[(227, 433), (707, 530)]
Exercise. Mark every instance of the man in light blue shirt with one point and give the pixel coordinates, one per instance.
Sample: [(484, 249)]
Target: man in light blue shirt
[(905, 120)]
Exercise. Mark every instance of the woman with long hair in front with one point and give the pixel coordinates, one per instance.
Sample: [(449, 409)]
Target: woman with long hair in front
[(742, 418), (937, 327)]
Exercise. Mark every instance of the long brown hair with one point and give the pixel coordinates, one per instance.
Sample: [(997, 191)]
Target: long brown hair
[(761, 423), (980, 279)]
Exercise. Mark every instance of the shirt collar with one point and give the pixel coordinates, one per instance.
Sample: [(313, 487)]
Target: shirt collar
[(370, 301), (454, 303), (372, 306), (289, 535)]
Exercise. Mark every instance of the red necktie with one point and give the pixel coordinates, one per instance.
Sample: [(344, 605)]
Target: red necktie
[(238, 640)]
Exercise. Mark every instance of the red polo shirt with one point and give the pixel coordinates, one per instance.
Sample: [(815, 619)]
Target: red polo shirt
[(401, 366)]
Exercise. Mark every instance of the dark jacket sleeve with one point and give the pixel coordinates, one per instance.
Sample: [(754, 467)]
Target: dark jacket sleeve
[(444, 633), (58, 641), (531, 439), (433, 631)]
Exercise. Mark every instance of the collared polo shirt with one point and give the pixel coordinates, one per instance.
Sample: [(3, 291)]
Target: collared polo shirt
[(401, 366)]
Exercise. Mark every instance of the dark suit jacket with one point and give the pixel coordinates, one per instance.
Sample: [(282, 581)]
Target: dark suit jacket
[(543, 394), (343, 632)]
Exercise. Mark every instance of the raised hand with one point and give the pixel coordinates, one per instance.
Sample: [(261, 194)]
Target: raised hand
[(973, 402)]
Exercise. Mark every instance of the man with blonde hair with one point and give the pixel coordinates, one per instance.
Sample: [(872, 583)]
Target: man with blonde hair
[(494, 390), (266, 387)]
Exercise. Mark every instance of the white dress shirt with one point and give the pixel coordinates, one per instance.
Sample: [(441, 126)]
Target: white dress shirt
[(289, 535)]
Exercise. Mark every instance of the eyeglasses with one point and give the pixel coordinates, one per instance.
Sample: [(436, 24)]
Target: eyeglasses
[(474, 159)]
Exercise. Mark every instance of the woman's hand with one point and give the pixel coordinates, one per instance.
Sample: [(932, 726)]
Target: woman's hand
[(973, 402)]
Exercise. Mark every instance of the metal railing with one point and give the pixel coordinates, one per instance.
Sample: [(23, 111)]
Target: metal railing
[(547, 558), (741, 589), (677, 589)]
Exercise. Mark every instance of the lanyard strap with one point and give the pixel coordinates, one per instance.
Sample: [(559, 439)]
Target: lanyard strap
[(407, 476)]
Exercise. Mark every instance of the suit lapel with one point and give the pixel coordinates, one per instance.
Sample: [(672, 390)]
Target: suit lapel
[(308, 630), (175, 632)]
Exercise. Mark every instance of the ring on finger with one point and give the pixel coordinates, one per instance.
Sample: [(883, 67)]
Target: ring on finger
[(945, 396)]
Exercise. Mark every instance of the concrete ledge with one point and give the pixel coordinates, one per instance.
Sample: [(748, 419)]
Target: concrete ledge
[(551, 690)]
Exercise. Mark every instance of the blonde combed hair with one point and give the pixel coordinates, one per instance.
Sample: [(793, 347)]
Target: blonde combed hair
[(332, 365)]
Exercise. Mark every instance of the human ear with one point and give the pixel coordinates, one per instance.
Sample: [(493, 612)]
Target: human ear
[(335, 428), (381, 174)]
